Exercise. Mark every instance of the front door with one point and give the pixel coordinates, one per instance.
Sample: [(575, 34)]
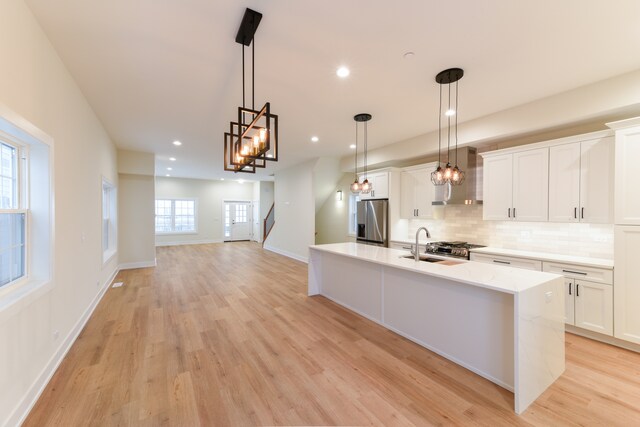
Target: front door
[(237, 221)]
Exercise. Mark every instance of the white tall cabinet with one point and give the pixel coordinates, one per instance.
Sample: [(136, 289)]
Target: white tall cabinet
[(581, 181), (627, 230), (516, 185)]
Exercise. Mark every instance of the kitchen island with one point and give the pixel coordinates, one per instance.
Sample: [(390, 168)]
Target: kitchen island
[(503, 323)]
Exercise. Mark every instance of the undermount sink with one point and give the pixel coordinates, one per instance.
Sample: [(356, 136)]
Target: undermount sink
[(427, 258), (424, 258)]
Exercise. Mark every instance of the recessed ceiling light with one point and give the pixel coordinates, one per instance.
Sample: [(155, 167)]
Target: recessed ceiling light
[(315, 139), (352, 146), (173, 159), (169, 169), (343, 72), (167, 175), (177, 143), (450, 112)]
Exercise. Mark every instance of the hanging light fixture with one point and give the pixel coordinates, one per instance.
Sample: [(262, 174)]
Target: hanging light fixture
[(253, 139), (356, 186), (365, 186), (452, 175)]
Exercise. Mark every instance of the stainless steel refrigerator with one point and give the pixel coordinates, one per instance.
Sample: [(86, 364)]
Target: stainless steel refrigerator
[(372, 222)]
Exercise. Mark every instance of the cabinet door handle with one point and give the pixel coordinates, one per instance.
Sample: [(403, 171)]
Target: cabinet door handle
[(514, 212), (582, 273), (570, 288), (501, 262), (417, 212), (509, 212), (577, 289), (582, 213), (575, 213)]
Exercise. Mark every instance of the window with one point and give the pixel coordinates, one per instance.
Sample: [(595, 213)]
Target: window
[(353, 213), (13, 215), (109, 216), (175, 216)]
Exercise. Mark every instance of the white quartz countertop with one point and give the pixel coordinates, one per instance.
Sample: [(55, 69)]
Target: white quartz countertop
[(499, 278), (543, 256)]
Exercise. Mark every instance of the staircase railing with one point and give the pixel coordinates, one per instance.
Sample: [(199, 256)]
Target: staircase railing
[(269, 221)]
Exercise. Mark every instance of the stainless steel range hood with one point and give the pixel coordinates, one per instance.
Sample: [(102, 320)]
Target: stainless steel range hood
[(466, 193)]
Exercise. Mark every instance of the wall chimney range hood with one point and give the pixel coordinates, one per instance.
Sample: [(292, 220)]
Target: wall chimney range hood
[(465, 193)]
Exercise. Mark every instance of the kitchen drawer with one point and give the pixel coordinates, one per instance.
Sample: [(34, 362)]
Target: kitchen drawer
[(598, 275), (527, 264)]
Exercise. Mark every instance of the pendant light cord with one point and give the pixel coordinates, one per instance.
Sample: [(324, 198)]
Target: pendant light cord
[(449, 127), (253, 74), (366, 153), (456, 123), (440, 126), (356, 168)]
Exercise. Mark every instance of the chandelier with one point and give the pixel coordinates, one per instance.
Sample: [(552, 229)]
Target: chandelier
[(252, 140), (448, 175)]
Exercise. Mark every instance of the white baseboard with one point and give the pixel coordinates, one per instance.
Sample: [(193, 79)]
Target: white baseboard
[(287, 254), (603, 338), (188, 242), (26, 404), (140, 264)]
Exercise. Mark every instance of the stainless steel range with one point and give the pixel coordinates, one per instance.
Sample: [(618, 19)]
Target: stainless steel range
[(461, 250)]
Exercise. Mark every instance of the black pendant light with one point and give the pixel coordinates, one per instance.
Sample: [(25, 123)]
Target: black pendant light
[(253, 139), (365, 186), (452, 175)]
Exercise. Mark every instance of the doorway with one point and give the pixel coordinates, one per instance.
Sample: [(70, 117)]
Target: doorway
[(237, 221)]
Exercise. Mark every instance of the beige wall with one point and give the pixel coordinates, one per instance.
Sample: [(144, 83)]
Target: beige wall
[(209, 196), (332, 219), (136, 228), (294, 227), (37, 328)]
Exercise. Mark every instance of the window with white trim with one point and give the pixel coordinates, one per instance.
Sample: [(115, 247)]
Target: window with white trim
[(353, 213), (175, 216), (109, 220), (13, 213)]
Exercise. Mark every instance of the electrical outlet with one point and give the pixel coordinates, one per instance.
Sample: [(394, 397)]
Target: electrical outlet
[(56, 334)]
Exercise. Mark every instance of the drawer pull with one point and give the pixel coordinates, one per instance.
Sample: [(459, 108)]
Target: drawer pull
[(501, 262), (582, 273)]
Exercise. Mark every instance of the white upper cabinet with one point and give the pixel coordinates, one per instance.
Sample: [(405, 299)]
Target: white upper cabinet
[(564, 180), (531, 185), (581, 181), (516, 186), (417, 192), (498, 187), (627, 187), (380, 183)]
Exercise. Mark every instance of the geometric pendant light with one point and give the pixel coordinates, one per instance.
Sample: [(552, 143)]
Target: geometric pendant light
[(449, 175), (252, 140)]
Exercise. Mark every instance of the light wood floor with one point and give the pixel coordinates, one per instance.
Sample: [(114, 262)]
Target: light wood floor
[(224, 334)]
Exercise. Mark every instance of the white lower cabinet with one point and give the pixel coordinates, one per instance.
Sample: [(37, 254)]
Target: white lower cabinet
[(588, 304)]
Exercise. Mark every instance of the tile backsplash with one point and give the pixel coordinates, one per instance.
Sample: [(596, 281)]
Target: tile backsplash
[(465, 223)]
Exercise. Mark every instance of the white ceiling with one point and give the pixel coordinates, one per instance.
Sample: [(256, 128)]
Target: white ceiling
[(159, 70)]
